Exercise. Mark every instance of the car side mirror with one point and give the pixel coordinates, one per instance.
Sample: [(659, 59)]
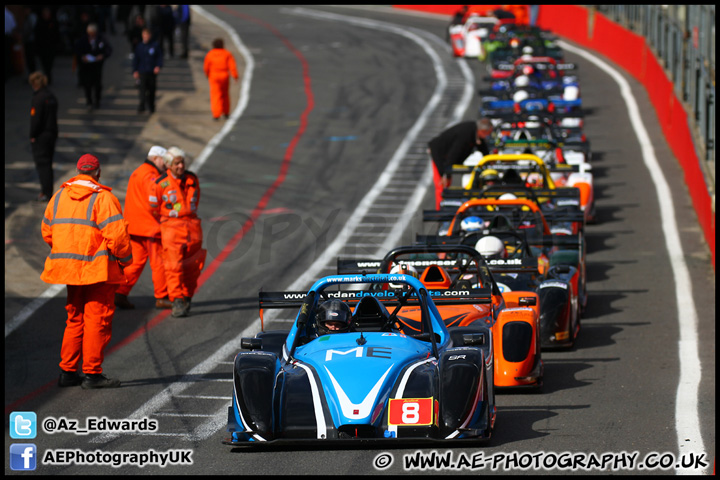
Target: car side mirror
[(527, 301), (473, 339), (251, 343)]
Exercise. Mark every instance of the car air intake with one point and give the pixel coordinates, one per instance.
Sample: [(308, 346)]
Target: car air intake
[(516, 341)]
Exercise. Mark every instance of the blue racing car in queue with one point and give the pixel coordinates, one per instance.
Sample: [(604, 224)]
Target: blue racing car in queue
[(367, 379)]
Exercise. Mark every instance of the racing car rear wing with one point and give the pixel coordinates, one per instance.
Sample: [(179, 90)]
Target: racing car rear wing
[(296, 299), (507, 66), (542, 144), (507, 114), (558, 168), (354, 265), (532, 106), (568, 195), (524, 265), (564, 241)]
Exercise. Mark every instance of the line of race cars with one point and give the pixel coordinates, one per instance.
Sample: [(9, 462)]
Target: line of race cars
[(426, 335)]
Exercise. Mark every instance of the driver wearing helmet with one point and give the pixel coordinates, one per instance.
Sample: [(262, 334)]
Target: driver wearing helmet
[(472, 223), (489, 177), (491, 247), (521, 81), (403, 269), (333, 316)]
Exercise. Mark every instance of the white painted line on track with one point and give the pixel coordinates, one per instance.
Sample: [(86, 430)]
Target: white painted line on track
[(233, 346), (687, 419), (244, 89), (31, 308)]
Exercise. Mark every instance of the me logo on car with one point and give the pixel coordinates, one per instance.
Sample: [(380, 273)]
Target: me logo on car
[(376, 352)]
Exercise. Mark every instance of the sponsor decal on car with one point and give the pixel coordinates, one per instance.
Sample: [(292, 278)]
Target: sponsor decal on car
[(410, 411)]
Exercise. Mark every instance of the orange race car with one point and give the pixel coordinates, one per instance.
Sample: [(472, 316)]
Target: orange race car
[(525, 170), (461, 270), (558, 246)]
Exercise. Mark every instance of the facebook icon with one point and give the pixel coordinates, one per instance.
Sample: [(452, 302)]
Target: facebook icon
[(23, 456)]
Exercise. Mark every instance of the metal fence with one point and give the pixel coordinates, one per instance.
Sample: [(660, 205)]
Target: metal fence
[(683, 39)]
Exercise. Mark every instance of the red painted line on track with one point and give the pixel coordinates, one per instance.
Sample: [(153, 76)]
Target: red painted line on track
[(249, 223)]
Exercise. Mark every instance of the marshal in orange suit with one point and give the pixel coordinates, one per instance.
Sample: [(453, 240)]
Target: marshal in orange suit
[(90, 246), (144, 230), (176, 198), (219, 65)]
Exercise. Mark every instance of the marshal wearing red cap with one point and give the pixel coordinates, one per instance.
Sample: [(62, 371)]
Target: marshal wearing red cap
[(88, 237), (88, 163)]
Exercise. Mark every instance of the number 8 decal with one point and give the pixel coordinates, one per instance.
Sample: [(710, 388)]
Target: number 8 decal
[(410, 411)]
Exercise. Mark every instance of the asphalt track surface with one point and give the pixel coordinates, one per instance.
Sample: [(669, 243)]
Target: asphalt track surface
[(332, 103)]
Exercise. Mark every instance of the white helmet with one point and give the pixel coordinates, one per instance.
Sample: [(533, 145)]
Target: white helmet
[(507, 196), (522, 81), (571, 92), (520, 95), (471, 224), (403, 269), (527, 50), (491, 247)]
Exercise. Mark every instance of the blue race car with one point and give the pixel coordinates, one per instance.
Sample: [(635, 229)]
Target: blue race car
[(367, 378)]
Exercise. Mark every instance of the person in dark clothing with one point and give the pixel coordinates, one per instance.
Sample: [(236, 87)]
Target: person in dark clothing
[(47, 40), (134, 34), (453, 146), (43, 132), (182, 20), (163, 25), (460, 16), (122, 15), (104, 19), (147, 62), (92, 50), (28, 39)]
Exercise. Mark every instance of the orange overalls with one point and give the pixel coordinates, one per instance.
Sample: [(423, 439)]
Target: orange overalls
[(218, 66), (177, 202), (84, 226), (144, 229)]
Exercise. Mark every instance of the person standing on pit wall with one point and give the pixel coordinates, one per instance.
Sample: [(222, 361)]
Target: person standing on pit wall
[(176, 198), (453, 146), (92, 50), (461, 15), (162, 22), (47, 40), (146, 65), (144, 230), (28, 39), (43, 132), (90, 246), (134, 33), (219, 64), (10, 27), (182, 20)]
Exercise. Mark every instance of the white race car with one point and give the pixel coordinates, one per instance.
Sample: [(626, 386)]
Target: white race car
[(466, 40)]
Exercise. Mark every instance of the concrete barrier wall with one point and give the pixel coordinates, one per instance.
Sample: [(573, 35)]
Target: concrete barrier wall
[(631, 52)]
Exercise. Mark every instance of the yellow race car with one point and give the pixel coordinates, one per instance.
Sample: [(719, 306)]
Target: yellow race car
[(523, 170)]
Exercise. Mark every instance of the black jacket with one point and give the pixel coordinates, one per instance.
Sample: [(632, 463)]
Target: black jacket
[(147, 56), (454, 145), (43, 115), (84, 47)]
